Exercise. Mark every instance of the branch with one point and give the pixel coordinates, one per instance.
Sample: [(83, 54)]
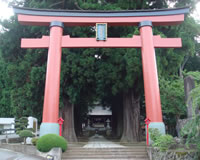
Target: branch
[(55, 4), (77, 6), (183, 65)]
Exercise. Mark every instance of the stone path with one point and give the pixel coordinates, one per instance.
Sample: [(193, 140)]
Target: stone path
[(98, 141)]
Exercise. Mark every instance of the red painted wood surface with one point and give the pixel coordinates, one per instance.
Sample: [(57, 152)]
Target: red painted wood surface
[(52, 84), (150, 76), (91, 21), (134, 42)]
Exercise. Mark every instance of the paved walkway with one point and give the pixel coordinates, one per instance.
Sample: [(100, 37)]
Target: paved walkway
[(11, 155), (98, 141)]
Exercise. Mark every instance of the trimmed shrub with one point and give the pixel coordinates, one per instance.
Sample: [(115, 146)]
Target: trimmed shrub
[(49, 141), (24, 134), (30, 129), (34, 140), (21, 124)]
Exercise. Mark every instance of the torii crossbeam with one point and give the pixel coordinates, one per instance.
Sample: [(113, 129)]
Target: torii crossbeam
[(134, 42), (57, 19)]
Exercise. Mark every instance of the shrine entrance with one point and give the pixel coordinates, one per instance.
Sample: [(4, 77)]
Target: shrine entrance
[(58, 19)]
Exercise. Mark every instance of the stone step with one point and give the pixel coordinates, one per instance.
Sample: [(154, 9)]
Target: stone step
[(110, 151), (120, 143), (117, 148), (128, 146), (104, 153), (106, 150), (131, 151), (105, 158), (102, 156)]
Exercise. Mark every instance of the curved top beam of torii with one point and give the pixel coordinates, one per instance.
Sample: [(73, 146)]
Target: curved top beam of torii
[(43, 17)]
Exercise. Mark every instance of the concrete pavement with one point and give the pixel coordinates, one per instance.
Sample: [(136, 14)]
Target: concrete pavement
[(11, 155)]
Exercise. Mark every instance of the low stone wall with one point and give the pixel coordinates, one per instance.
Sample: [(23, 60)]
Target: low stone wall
[(12, 140), (155, 154), (31, 150)]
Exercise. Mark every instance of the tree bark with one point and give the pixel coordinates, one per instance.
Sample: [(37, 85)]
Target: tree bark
[(117, 116), (182, 66), (119, 121), (131, 117), (78, 121), (114, 121), (68, 125)]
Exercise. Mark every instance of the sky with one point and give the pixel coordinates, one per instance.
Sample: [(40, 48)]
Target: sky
[(6, 12)]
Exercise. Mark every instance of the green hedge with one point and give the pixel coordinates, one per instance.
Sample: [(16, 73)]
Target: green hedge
[(49, 141)]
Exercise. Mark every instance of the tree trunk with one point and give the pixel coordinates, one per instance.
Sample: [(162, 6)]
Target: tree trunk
[(114, 121), (131, 117), (78, 121), (68, 125), (119, 121), (117, 114), (181, 68)]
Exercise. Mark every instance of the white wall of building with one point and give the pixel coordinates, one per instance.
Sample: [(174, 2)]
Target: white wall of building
[(8, 123)]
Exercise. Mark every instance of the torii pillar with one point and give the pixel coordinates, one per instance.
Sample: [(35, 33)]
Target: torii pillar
[(150, 76), (52, 85)]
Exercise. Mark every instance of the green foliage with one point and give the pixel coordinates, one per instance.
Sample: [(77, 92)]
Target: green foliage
[(172, 96), (21, 124), (172, 100), (34, 140), (25, 134), (191, 130), (195, 96), (195, 75), (164, 142), (198, 146), (154, 134), (49, 141), (30, 129), (193, 63)]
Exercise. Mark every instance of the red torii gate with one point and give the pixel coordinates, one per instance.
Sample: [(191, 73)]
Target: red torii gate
[(57, 19)]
